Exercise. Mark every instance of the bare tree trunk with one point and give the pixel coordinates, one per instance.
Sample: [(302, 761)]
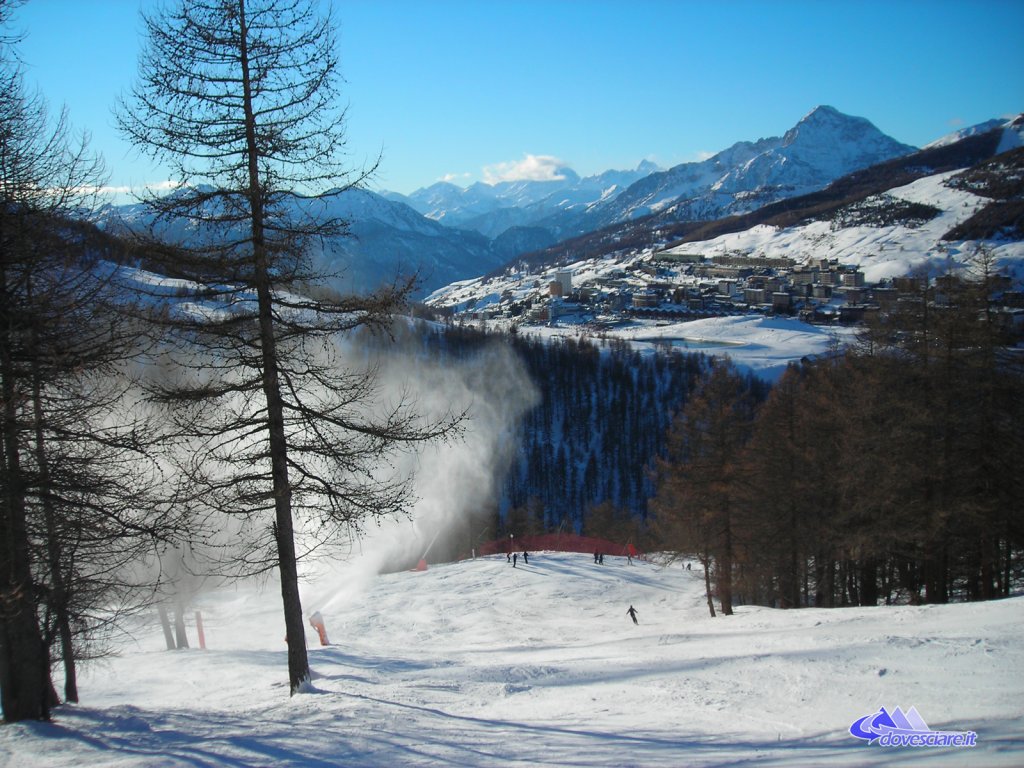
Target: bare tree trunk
[(298, 661), (180, 634), (724, 562), (165, 623), (59, 597), (868, 581), (706, 563), (24, 666)]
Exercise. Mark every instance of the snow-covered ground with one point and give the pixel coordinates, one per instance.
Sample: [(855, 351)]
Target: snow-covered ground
[(481, 664), (758, 344), (880, 251)]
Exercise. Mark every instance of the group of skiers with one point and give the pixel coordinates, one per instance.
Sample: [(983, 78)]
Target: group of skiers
[(599, 557), (513, 557)]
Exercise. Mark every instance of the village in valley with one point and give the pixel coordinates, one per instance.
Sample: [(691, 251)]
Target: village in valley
[(678, 285)]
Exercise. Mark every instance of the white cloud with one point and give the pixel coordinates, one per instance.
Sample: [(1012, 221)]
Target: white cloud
[(530, 168), (127, 190), (456, 178)]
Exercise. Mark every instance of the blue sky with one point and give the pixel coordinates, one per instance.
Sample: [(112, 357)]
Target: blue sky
[(496, 89)]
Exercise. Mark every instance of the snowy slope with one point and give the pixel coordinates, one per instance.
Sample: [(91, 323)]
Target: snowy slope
[(764, 346), (387, 238), (883, 247), (482, 664), (823, 146), (974, 130), (880, 250)]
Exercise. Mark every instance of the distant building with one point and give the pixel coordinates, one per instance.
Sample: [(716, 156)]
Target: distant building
[(854, 295), (541, 314), (755, 295), (646, 299), (679, 258), (781, 300), (908, 284), (885, 297), (830, 277), (564, 278), (853, 279), (804, 276)]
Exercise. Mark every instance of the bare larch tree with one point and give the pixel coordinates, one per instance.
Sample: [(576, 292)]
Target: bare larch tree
[(240, 98)]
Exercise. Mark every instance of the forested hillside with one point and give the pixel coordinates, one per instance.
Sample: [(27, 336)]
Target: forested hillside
[(884, 473), (887, 474), (586, 451)]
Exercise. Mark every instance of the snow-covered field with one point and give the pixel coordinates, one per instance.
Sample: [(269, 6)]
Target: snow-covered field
[(481, 664), (758, 344), (880, 251)]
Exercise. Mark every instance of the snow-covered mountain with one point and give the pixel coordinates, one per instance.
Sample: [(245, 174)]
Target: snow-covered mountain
[(447, 233), (1012, 132), (387, 238), (823, 146), (490, 209), (929, 211)]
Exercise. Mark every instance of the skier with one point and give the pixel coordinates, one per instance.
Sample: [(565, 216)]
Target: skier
[(596, 555), (515, 557), (632, 614), (526, 557)]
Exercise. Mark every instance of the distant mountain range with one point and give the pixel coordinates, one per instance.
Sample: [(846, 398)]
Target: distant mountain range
[(965, 149), (491, 209), (447, 233), (926, 212), (821, 147)]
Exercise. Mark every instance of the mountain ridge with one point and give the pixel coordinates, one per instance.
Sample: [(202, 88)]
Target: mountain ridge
[(648, 231), (527, 219), (929, 211)]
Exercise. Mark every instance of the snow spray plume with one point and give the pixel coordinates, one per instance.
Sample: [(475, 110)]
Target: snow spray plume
[(455, 484), (206, 549)]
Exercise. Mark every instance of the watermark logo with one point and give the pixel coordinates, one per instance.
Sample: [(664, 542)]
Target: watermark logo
[(906, 729)]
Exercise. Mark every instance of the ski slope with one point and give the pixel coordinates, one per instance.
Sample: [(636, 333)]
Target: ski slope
[(478, 663)]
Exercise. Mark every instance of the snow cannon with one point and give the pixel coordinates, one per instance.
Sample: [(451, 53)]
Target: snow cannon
[(317, 621)]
